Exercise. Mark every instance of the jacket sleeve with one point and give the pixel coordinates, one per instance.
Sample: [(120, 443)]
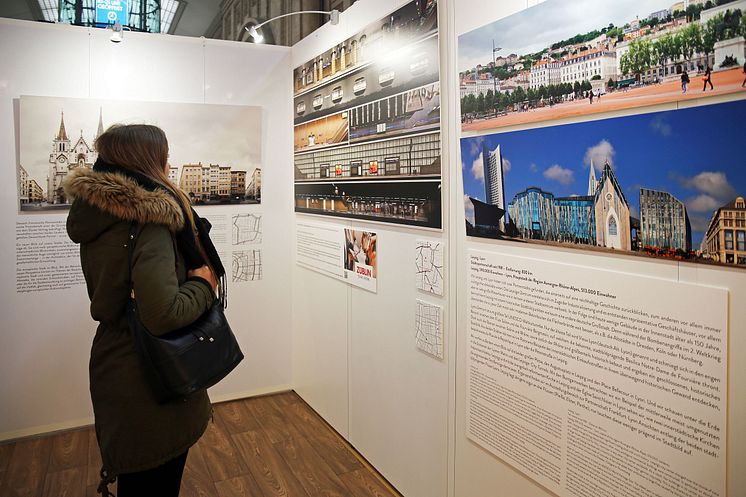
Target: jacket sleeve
[(163, 304)]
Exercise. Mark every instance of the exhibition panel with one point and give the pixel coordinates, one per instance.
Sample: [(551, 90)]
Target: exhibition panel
[(605, 152), (218, 126), (397, 347)]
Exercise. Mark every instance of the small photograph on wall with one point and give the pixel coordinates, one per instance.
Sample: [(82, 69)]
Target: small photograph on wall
[(360, 258), (666, 184), (367, 123), (569, 58), (214, 150)]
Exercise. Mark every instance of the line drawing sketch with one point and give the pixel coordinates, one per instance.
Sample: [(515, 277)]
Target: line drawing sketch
[(247, 228), (429, 267), (429, 326), (247, 266)]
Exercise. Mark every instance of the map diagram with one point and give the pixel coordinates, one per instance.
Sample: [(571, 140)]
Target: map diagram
[(247, 266), (429, 325), (429, 266), (247, 228)]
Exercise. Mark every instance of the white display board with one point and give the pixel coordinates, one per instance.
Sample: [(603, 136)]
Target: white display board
[(590, 383), (142, 69)]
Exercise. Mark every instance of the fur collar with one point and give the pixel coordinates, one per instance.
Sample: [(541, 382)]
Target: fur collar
[(122, 197)]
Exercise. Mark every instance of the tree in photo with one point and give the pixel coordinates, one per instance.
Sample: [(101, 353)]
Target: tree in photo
[(637, 60)]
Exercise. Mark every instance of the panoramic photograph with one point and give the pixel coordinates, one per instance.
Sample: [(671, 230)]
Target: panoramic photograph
[(214, 150), (665, 184), (568, 58)]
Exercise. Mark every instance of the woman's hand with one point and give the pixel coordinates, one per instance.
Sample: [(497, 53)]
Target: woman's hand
[(206, 274)]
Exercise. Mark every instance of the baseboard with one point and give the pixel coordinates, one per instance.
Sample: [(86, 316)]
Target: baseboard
[(45, 430)]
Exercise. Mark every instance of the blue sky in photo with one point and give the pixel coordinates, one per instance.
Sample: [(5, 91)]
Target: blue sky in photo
[(533, 29), (696, 154)]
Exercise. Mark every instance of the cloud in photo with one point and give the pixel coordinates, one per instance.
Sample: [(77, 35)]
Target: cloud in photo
[(475, 145), (713, 183), (507, 166), (659, 125), (533, 167), (534, 29), (702, 203), (468, 209), (477, 168), (699, 223), (559, 174), (600, 153)]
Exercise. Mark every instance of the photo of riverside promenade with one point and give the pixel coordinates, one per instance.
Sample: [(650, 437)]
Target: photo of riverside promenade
[(565, 58), (665, 184)]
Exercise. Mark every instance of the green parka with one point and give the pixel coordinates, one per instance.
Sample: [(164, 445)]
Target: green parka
[(134, 431)]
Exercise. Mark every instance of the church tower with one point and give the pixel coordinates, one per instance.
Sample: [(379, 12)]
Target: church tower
[(59, 161), (100, 129), (592, 183), (613, 225)]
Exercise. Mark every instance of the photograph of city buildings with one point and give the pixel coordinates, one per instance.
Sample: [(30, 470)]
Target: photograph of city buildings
[(666, 184), (567, 58), (367, 123), (214, 150)]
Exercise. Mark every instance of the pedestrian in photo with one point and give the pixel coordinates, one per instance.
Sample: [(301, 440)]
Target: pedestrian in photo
[(744, 72), (684, 81), (707, 78), (590, 96), (174, 274)]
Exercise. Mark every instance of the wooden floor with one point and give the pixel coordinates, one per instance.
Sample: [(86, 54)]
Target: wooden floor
[(260, 447)]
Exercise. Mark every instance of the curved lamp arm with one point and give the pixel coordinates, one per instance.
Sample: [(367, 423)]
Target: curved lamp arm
[(258, 38)]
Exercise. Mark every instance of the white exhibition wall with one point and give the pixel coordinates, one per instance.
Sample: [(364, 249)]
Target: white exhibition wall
[(354, 355), (477, 472), (47, 335)]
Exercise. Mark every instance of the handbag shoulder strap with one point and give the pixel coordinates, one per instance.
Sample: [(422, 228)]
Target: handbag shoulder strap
[(130, 255)]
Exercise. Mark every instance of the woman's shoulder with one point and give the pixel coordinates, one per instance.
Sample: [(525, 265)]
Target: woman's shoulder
[(123, 198)]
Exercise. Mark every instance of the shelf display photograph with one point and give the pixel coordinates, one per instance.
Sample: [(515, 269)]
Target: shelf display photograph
[(666, 184), (367, 123), (570, 58), (214, 150)]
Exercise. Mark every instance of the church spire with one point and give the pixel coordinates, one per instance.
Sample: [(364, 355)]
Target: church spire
[(100, 130), (62, 134), (592, 183)]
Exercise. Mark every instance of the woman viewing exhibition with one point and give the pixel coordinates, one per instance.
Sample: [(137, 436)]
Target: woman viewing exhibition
[(143, 443)]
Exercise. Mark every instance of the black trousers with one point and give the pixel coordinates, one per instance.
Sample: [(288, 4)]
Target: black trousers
[(163, 481)]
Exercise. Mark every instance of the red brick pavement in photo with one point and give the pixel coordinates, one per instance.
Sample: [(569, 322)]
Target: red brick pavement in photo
[(725, 82)]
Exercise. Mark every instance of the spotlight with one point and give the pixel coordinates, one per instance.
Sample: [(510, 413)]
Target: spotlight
[(255, 34), (259, 38), (117, 32)]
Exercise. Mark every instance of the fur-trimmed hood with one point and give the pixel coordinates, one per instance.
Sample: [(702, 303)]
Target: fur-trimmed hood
[(116, 198)]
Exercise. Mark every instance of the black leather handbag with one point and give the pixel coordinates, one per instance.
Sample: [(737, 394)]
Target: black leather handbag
[(186, 360)]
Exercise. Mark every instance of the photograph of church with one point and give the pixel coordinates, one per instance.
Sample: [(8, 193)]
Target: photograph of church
[(214, 150), (638, 184)]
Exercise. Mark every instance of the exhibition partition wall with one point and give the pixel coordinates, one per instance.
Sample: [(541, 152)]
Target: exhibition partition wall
[(600, 319), (358, 357), (222, 115)]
